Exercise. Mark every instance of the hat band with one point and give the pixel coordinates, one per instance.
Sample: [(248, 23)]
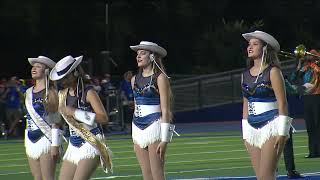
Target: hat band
[(64, 70)]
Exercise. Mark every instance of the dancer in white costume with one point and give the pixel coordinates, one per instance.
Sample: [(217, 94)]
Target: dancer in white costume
[(81, 108), (151, 128), (42, 136), (265, 122)]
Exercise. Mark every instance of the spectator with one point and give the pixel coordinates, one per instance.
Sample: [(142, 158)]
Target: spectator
[(96, 85), (13, 97), (127, 98), (2, 110), (106, 88), (106, 84)]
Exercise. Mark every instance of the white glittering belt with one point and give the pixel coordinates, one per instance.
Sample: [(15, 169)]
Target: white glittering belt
[(256, 108), (144, 110)]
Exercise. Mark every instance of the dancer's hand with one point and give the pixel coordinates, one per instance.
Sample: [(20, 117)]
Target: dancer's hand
[(55, 155), (246, 145), (279, 144), (131, 104), (161, 150)]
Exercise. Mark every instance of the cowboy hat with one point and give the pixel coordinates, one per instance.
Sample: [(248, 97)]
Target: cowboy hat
[(43, 60), (267, 38), (150, 46), (64, 67)]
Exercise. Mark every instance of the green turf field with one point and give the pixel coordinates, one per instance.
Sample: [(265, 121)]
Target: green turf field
[(189, 156)]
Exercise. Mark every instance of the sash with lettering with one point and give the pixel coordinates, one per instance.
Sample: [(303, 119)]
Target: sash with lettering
[(105, 157), (36, 118)]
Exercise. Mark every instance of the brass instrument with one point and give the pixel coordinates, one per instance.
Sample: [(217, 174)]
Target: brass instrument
[(287, 54), (299, 52)]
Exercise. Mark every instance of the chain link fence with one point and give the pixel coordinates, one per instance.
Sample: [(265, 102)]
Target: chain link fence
[(213, 90)]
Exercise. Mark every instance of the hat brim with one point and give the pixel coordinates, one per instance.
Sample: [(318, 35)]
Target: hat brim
[(54, 76), (264, 37), (156, 49), (48, 62)]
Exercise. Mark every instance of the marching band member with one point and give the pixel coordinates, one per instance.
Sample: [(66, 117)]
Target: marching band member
[(308, 72)]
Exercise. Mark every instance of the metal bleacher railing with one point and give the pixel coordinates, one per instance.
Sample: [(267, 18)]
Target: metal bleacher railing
[(213, 89)]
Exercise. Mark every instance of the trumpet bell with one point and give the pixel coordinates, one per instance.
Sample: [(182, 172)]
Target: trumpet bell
[(300, 51)]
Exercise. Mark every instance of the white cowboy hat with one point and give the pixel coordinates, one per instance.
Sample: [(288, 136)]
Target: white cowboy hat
[(267, 38), (64, 67), (150, 46), (43, 60)]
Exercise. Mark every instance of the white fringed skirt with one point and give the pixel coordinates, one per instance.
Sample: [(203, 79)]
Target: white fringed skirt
[(148, 136), (35, 150), (74, 154), (257, 137)]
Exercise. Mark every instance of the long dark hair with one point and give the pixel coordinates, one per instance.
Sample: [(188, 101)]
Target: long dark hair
[(50, 96), (271, 57)]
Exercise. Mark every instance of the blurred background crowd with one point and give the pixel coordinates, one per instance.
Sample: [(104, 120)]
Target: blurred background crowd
[(115, 93)]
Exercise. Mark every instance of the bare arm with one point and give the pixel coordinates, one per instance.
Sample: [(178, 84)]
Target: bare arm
[(132, 81), (245, 108), (132, 85), (95, 102), (278, 86), (164, 85)]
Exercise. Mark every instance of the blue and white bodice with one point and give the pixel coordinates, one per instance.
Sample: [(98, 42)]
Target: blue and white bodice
[(262, 103), (34, 133), (147, 101), (76, 102)]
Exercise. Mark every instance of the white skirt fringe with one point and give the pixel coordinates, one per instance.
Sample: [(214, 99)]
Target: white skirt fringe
[(257, 137), (35, 150), (147, 136), (74, 154)]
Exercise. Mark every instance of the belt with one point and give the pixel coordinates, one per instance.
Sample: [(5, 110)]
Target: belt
[(90, 128), (144, 110), (31, 126), (77, 141), (256, 108)]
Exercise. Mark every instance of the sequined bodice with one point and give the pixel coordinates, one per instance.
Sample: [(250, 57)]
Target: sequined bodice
[(145, 90), (38, 105), (146, 95), (261, 89), (37, 102), (77, 103)]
